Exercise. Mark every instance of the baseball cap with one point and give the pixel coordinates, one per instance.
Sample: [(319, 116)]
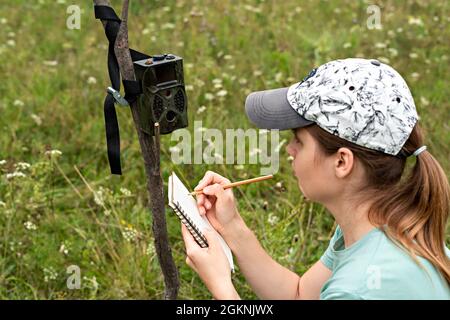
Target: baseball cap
[(359, 100)]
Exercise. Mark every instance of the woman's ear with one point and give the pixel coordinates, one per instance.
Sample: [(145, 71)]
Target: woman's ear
[(344, 162)]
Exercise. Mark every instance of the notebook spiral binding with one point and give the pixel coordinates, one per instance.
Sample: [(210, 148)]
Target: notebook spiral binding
[(193, 229)]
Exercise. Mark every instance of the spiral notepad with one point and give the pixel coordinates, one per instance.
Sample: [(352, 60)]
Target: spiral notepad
[(185, 207)]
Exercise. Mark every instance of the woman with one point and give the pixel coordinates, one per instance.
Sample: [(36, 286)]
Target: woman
[(354, 124)]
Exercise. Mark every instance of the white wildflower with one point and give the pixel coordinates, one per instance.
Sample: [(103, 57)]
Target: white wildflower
[(2, 162), (415, 21), (150, 250), (257, 73), (36, 119), (189, 87), (273, 219), (413, 55), (53, 153), (99, 198), (199, 82), (130, 234), (424, 101), (18, 103), (384, 60), (209, 96), (50, 274), (201, 109), (11, 43), (30, 225), (252, 8), (22, 166), (415, 75), (347, 45), (228, 57), (91, 80), (168, 26), (50, 63), (279, 77), (222, 93), (242, 81), (2, 204), (393, 52), (125, 192), (16, 174)]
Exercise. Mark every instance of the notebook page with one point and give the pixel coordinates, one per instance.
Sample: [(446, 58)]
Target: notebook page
[(178, 193)]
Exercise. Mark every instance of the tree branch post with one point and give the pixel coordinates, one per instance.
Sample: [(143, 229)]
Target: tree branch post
[(151, 153)]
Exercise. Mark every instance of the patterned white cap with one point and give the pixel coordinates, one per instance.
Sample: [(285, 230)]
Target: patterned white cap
[(362, 101)]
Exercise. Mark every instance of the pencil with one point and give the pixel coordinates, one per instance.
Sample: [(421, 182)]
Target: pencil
[(237, 183)]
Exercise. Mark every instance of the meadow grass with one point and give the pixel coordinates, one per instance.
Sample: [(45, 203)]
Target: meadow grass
[(65, 208)]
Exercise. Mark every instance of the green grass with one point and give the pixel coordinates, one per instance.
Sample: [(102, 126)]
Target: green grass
[(271, 44)]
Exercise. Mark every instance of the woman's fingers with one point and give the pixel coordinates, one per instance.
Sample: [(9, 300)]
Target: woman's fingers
[(208, 204), (211, 178), (214, 190), (200, 199), (189, 241), (206, 200)]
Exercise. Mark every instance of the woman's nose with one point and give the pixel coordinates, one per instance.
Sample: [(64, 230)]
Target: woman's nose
[(290, 150)]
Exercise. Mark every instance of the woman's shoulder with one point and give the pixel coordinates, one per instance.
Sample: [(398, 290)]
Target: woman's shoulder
[(382, 269)]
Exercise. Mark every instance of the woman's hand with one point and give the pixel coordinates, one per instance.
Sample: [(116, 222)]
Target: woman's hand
[(210, 263), (218, 204)]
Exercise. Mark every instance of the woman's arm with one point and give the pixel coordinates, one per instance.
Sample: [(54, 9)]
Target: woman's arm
[(268, 279)]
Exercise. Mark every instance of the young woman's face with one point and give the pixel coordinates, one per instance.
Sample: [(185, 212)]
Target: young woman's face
[(315, 180)]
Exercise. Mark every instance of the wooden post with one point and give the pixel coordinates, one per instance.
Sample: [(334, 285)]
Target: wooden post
[(151, 152)]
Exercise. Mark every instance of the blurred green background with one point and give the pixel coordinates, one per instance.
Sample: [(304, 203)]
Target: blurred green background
[(59, 205)]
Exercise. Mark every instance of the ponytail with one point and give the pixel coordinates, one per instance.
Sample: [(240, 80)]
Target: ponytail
[(416, 214)]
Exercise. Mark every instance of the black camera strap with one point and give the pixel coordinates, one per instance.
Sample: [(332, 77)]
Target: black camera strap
[(132, 88)]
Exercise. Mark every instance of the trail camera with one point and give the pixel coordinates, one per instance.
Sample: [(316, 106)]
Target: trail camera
[(163, 97)]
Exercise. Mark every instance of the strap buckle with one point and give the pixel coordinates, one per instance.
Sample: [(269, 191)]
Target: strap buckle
[(119, 99)]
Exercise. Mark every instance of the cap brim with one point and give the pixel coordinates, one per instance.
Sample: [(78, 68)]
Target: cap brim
[(270, 109)]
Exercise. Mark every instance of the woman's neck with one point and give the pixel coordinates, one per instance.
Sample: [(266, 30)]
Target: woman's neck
[(353, 221)]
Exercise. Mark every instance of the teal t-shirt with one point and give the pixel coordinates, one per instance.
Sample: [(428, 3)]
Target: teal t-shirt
[(374, 267)]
